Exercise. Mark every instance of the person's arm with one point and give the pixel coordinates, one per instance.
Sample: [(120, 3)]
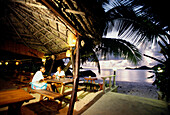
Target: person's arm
[(49, 77), (54, 75)]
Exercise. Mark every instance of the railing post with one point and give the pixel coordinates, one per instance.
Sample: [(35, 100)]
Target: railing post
[(103, 84), (114, 80), (110, 82)]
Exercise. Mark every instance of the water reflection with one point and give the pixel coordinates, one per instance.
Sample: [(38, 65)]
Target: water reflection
[(126, 75)]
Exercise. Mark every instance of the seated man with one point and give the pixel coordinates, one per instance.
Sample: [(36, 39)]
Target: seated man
[(59, 74), (38, 80)]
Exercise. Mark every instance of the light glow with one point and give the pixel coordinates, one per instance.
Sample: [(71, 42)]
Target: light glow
[(71, 39), (68, 53), (6, 63), (17, 63)]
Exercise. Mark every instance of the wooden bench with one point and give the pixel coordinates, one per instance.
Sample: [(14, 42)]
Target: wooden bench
[(24, 84), (93, 86), (50, 94), (79, 87)]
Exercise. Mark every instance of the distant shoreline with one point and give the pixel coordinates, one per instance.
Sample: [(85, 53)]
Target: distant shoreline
[(140, 68)]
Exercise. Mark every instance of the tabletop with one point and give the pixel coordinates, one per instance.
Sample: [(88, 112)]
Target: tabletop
[(90, 78), (14, 96), (61, 80)]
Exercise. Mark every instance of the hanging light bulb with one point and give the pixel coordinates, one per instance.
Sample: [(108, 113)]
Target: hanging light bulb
[(6, 63), (44, 60), (0, 63), (68, 53), (17, 63)]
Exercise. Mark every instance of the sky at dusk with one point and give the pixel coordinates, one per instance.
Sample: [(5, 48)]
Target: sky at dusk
[(120, 63), (111, 61)]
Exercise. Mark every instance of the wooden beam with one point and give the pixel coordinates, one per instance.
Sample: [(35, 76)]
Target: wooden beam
[(20, 49), (51, 5), (60, 56), (83, 23), (31, 4), (74, 11)]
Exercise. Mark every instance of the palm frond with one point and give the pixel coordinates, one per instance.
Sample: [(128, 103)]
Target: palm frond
[(87, 52), (120, 48), (133, 21)]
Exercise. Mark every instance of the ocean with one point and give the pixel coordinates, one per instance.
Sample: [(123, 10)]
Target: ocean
[(125, 75)]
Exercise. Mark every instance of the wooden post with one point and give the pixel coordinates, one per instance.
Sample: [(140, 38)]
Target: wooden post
[(110, 82), (114, 80), (76, 80), (103, 84), (53, 58), (73, 61)]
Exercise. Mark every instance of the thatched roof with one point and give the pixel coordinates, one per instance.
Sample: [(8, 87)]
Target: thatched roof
[(44, 25)]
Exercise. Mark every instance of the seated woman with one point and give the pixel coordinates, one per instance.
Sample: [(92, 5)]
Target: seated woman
[(38, 80), (59, 74)]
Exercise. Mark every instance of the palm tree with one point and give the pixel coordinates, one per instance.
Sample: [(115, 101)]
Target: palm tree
[(111, 46), (142, 22)]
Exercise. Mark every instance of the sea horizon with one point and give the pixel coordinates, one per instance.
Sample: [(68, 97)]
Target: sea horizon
[(124, 75)]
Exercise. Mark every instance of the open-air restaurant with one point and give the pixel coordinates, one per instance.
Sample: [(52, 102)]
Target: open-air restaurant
[(43, 47)]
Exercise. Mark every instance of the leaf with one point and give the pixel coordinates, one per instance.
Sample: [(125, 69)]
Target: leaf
[(120, 48)]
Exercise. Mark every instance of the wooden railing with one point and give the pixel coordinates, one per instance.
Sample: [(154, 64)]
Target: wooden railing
[(110, 83)]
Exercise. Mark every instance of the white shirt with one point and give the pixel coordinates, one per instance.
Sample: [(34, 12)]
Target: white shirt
[(38, 76), (59, 74)]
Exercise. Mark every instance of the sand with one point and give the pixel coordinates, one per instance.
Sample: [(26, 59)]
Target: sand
[(138, 89)]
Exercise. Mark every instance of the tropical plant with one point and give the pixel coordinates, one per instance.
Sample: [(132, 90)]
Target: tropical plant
[(111, 46), (142, 22)]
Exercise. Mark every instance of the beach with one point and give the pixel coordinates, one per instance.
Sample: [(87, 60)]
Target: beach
[(138, 89)]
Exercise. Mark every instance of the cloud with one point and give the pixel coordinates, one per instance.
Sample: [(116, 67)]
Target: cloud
[(122, 63)]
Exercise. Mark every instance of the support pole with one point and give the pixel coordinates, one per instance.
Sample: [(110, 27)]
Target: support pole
[(76, 80), (53, 58), (114, 80), (73, 61)]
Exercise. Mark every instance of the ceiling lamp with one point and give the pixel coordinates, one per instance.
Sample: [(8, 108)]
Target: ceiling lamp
[(71, 39)]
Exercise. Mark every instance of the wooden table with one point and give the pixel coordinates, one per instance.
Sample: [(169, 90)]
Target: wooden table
[(69, 76), (14, 100), (61, 81), (91, 79)]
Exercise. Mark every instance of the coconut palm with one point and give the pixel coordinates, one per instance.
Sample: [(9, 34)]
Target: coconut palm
[(142, 22), (111, 46)]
